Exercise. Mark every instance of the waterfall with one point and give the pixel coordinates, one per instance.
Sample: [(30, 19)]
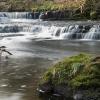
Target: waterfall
[(69, 32), (37, 30), (22, 15), (94, 33), (4, 18), (19, 15)]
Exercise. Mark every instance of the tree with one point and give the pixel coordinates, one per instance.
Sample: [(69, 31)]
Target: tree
[(89, 6)]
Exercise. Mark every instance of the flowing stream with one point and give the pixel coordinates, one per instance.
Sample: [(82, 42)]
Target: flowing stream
[(36, 45)]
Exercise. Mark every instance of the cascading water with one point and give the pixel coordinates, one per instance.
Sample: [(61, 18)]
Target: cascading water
[(19, 15), (36, 29), (69, 32), (94, 33)]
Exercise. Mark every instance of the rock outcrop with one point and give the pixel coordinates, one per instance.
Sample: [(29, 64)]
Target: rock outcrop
[(76, 77)]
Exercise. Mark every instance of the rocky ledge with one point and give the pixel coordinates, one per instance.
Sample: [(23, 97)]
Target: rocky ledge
[(74, 78)]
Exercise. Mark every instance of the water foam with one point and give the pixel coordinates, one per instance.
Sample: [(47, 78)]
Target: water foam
[(20, 26)]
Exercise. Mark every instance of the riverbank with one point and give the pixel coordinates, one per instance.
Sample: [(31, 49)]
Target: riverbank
[(51, 10), (76, 77)]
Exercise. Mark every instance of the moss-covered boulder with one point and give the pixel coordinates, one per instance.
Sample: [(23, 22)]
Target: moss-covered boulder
[(77, 72)]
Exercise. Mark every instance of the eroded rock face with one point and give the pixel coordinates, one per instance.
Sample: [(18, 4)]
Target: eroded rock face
[(56, 15), (49, 14)]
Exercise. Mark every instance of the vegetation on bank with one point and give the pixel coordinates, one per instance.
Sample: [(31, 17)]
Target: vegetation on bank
[(80, 71), (88, 9)]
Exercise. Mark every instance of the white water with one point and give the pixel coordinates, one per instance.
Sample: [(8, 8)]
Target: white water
[(19, 15), (21, 25), (94, 33)]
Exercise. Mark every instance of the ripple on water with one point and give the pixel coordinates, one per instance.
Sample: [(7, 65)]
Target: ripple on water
[(3, 85), (23, 86)]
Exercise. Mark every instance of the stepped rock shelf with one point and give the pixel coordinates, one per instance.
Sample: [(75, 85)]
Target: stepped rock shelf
[(18, 22), (74, 78)]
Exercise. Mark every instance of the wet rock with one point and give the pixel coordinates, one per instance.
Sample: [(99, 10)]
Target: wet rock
[(58, 32), (36, 15), (80, 28), (45, 88), (58, 92), (87, 28), (63, 90), (42, 16), (49, 14), (56, 14), (8, 29)]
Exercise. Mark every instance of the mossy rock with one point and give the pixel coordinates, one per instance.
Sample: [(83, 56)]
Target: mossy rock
[(81, 70)]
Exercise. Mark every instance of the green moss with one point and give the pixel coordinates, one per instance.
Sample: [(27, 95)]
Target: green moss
[(93, 15), (47, 76), (85, 81), (76, 71)]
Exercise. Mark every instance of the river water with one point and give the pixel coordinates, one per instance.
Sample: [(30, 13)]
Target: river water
[(34, 49)]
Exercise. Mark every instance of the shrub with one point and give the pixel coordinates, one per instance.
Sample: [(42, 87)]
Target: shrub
[(93, 15)]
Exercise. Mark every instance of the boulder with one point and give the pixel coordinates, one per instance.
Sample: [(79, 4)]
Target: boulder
[(74, 78)]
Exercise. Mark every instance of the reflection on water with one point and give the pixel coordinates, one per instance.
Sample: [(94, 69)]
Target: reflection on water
[(19, 78), (20, 74)]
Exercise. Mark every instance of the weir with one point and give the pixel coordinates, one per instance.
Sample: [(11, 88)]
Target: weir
[(39, 29), (21, 15)]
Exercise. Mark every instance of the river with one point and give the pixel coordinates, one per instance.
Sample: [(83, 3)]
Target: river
[(36, 45)]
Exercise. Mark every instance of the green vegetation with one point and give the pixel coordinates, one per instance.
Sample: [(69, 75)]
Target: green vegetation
[(93, 15), (83, 9), (16, 5), (77, 71), (50, 5), (30, 5)]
